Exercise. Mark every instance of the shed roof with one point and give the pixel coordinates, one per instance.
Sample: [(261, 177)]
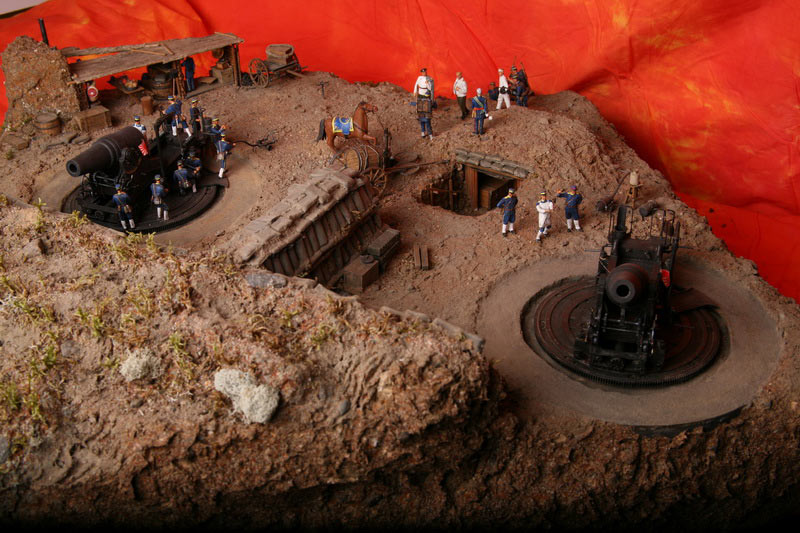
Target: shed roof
[(492, 164), (123, 58)]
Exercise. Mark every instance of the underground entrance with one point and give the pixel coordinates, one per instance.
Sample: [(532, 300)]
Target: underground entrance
[(475, 183)]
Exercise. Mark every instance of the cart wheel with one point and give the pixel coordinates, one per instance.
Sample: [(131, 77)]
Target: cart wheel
[(297, 66), (376, 180), (259, 72)]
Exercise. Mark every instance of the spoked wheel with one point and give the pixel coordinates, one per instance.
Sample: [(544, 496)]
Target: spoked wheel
[(376, 180), (259, 72)]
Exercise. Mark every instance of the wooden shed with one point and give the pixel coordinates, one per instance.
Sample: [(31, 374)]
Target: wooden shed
[(164, 54)]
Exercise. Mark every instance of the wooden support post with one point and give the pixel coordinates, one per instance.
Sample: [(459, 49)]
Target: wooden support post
[(421, 259)]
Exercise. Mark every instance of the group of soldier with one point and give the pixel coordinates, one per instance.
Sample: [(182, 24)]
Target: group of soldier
[(544, 208), (516, 83), (188, 169)]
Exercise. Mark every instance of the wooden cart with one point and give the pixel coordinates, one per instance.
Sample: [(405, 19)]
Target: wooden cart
[(281, 60), (373, 164)]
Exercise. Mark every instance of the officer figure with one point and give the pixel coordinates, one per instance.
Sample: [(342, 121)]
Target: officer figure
[(181, 176), (124, 209), (223, 149), (195, 116), (188, 65), (177, 116), (479, 111), (509, 206), (573, 200), (545, 208), (157, 195)]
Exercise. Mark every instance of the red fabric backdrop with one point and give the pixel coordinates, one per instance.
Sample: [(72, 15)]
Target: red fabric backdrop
[(706, 91)]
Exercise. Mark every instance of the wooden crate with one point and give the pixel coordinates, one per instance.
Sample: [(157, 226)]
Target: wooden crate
[(94, 118), (492, 190), (357, 275)]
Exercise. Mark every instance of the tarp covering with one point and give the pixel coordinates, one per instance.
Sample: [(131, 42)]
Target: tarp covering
[(708, 91)]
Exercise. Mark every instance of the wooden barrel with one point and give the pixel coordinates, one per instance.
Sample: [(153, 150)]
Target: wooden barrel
[(48, 124), (361, 157), (147, 105), (161, 86)]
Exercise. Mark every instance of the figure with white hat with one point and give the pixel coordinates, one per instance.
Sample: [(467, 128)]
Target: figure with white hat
[(545, 208), (502, 85)]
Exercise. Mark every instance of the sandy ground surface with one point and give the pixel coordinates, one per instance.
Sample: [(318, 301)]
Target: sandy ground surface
[(586, 471)]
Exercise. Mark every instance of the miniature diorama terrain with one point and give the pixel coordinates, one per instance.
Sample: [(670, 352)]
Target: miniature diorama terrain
[(345, 338)]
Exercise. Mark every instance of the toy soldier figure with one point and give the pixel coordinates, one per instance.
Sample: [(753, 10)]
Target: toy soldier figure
[(177, 116), (573, 200), (216, 130), (157, 195), (124, 210), (193, 164), (424, 114), (493, 93), (460, 90), (181, 177), (479, 111), (545, 208), (188, 65), (223, 149), (196, 117), (137, 123), (502, 84), (424, 85), (509, 206), (521, 89)]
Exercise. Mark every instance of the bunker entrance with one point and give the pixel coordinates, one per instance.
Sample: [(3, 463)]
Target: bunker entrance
[(475, 184)]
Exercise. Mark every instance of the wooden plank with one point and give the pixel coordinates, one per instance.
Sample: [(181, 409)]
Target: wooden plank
[(417, 254), (425, 263), (295, 74), (471, 177), (130, 57)]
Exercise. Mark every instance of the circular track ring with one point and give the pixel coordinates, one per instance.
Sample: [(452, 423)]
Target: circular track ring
[(554, 317)]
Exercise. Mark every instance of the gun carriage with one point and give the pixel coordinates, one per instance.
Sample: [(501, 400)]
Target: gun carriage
[(629, 325)]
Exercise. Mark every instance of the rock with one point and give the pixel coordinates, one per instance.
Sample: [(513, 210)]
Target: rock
[(342, 408), (256, 402), (265, 280), (140, 364), (34, 249)]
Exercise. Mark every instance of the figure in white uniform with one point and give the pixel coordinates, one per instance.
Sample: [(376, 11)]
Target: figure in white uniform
[(424, 85), (502, 86), (545, 208)]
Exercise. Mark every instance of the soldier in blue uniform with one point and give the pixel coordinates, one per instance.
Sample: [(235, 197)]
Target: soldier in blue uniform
[(509, 206), (223, 149), (188, 65), (573, 200), (137, 123), (183, 179), (216, 130), (494, 92), (124, 209), (177, 116), (196, 116), (157, 195), (479, 111), (193, 164), (521, 89)]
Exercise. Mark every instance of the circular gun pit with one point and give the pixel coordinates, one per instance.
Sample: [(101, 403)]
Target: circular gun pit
[(748, 354)]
